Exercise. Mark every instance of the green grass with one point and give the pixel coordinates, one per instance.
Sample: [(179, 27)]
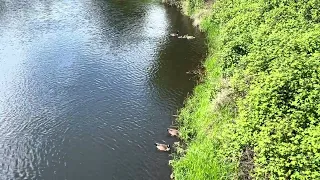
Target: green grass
[(260, 92), (203, 127)]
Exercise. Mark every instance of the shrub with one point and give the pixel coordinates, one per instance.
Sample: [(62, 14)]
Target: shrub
[(270, 50)]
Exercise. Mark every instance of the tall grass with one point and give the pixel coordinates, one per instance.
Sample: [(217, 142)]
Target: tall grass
[(259, 96), (203, 123)]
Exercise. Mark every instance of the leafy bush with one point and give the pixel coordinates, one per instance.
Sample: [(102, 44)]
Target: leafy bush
[(270, 50)]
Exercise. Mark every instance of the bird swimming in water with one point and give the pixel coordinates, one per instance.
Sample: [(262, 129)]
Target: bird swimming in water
[(162, 147), (186, 37), (175, 34), (173, 132), (190, 37)]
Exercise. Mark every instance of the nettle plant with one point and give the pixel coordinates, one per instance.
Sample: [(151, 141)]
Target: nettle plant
[(271, 51)]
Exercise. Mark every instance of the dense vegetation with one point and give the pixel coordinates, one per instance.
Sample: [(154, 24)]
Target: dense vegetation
[(255, 115)]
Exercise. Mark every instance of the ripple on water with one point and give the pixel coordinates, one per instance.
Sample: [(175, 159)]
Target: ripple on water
[(87, 87)]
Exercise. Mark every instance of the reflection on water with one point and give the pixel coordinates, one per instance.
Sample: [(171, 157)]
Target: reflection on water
[(87, 87)]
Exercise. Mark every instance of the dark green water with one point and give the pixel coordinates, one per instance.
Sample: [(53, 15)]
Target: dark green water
[(87, 87)]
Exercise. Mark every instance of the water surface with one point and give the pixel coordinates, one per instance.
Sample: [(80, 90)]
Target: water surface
[(87, 87)]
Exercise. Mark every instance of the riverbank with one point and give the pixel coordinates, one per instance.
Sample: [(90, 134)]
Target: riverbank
[(255, 113)]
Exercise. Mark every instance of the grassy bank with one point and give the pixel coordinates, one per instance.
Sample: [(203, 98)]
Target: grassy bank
[(255, 114)]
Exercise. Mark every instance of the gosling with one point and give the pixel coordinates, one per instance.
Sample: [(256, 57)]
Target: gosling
[(190, 37)]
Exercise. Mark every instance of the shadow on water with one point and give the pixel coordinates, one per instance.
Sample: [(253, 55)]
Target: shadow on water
[(178, 58), (123, 13)]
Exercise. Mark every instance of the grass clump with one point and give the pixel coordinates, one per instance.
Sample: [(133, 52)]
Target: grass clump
[(256, 114)]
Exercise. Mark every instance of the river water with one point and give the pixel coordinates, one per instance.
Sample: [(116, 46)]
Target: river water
[(87, 87)]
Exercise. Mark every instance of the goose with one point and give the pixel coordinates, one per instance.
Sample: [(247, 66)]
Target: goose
[(175, 34), (173, 132), (162, 147)]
